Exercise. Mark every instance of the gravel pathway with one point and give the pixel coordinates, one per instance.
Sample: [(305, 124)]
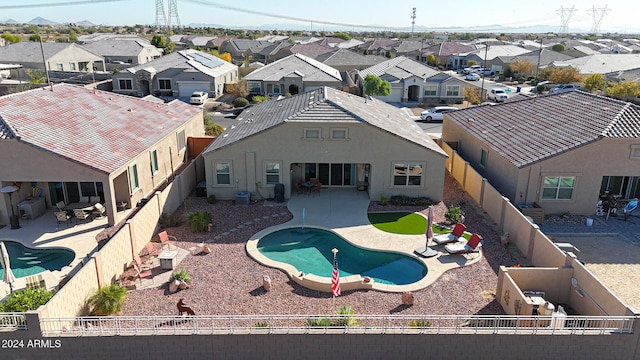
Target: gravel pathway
[(229, 282)]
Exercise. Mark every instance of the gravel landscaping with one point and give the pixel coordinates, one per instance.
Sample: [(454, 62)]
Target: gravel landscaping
[(228, 282)]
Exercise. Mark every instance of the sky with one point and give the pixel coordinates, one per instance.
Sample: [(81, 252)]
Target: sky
[(351, 14)]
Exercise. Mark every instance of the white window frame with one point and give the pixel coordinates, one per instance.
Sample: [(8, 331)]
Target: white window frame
[(255, 87), (336, 131), (134, 180), (557, 188), (408, 177), (269, 176), (153, 159), (279, 91), (484, 154), (229, 173), (450, 92), (127, 82), (160, 84), (72, 66), (430, 88), (310, 131), (635, 152), (181, 141), (60, 67)]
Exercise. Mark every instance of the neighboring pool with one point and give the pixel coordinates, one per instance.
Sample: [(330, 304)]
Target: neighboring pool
[(26, 261), (309, 250)]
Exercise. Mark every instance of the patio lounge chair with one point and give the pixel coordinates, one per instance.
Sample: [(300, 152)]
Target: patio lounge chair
[(143, 274), (453, 236), (628, 209), (165, 239), (151, 251), (98, 210), (62, 216), (141, 265), (60, 205), (80, 214), (473, 245)]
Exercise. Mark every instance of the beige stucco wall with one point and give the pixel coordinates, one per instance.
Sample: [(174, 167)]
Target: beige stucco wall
[(285, 143), (74, 54)]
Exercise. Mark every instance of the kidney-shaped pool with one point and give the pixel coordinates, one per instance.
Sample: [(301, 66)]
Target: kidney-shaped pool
[(309, 250)]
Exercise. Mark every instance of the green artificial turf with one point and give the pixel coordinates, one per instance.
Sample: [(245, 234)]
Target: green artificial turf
[(406, 223)]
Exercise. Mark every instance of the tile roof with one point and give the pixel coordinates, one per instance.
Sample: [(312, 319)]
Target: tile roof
[(118, 47), (29, 51), (531, 130), (187, 60), (401, 68), (100, 130), (311, 50), (324, 105), (602, 63), (346, 57), (311, 69)]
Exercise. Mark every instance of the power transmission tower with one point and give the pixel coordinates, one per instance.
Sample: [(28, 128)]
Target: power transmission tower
[(565, 16), (598, 14), (161, 18), (413, 20), (173, 14)]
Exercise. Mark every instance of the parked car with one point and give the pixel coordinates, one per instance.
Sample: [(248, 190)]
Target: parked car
[(198, 98), (472, 77), (436, 113), (485, 71), (497, 95), (565, 87), (471, 69)]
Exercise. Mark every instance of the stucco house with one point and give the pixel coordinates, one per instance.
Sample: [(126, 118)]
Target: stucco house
[(561, 151), (177, 74), (413, 81), (294, 74), (84, 143), (130, 52), (58, 56), (330, 135)]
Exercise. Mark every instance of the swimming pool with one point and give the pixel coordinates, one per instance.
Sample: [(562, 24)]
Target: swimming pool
[(26, 261), (309, 250)]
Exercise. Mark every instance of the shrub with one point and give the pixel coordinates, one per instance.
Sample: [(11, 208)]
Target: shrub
[(257, 99), (260, 325), (108, 300), (540, 88), (287, 94), (419, 324), (26, 299), (212, 199), (453, 214), (318, 322), (199, 221), (169, 221), (181, 275), (410, 201), (383, 200), (346, 318), (240, 102)]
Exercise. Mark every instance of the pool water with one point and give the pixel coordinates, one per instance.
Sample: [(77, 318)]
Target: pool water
[(26, 261), (309, 250)]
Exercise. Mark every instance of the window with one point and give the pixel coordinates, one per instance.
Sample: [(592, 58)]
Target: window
[(339, 133), (164, 84), (60, 68), (133, 175), (223, 173), (483, 158), (407, 174), (181, 140), (558, 187), (255, 87), (154, 161), (72, 66), (635, 152), (276, 89), (453, 90), (430, 90), (88, 188), (314, 133), (126, 84), (272, 170), (84, 66)]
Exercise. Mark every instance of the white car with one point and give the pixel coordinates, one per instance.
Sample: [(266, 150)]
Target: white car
[(472, 77), (198, 98), (436, 113), (497, 95), (565, 87), (471, 69)]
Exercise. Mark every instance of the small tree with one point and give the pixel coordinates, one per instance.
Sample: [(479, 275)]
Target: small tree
[(36, 76), (108, 300), (472, 62), (373, 85), (522, 67), (431, 59), (240, 102), (225, 56), (25, 299), (34, 38), (211, 128), (471, 94), (565, 75), (158, 41), (342, 35), (594, 82), (238, 89), (624, 90), (11, 38), (558, 48)]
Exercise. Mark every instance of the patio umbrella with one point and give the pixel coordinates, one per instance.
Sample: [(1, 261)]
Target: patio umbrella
[(7, 274), (426, 251)]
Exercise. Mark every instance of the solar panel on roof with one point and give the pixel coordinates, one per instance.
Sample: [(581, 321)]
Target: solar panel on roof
[(206, 59)]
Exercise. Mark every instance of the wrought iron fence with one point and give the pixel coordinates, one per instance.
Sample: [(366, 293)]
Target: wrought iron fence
[(12, 321), (332, 324)]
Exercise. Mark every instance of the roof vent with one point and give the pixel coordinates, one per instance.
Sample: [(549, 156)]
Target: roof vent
[(498, 124), (130, 110)]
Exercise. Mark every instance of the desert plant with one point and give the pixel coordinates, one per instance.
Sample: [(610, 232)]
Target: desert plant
[(257, 99), (318, 322), (181, 275), (260, 325), (541, 87), (346, 317), (169, 221), (199, 221), (454, 214), (383, 200), (25, 299), (108, 300), (212, 199), (419, 324), (240, 102)]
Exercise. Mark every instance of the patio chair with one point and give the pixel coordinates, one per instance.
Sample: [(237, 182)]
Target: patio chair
[(165, 239), (299, 188), (151, 251), (35, 282), (143, 274), (316, 188), (62, 216), (453, 236), (80, 214), (60, 205), (473, 245), (141, 265), (99, 211)]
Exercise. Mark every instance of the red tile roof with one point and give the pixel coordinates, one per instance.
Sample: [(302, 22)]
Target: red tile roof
[(531, 130), (101, 130)]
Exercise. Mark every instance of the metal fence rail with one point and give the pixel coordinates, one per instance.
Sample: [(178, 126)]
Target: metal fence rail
[(12, 321), (332, 324)]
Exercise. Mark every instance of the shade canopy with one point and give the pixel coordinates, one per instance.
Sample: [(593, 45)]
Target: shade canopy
[(7, 274), (9, 189)]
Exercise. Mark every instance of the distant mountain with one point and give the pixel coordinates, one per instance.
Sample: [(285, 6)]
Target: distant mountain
[(41, 21), (86, 23), (8, 21)]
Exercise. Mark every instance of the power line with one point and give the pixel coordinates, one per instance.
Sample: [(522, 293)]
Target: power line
[(61, 3)]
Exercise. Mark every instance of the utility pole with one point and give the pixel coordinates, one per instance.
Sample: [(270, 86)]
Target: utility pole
[(539, 55), (484, 66), (413, 21)]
